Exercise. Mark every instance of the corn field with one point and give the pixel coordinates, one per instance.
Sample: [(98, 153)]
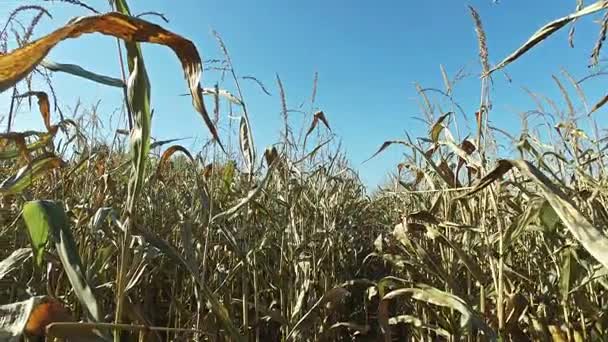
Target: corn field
[(142, 240)]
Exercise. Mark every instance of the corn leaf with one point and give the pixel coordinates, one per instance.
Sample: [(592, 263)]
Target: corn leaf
[(590, 237), (76, 70), (29, 173), (20, 62), (547, 30), (48, 217)]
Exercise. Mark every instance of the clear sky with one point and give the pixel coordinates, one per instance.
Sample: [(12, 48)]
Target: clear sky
[(368, 54)]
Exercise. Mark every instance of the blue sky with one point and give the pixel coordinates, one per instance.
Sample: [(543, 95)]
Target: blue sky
[(368, 55)]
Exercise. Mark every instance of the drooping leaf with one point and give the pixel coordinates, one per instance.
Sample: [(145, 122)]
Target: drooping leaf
[(418, 323), (250, 196), (599, 104), (500, 170), (17, 64), (432, 296), (223, 93), (332, 297), (517, 227), (81, 72), (29, 173), (465, 258), (164, 159), (101, 216), (547, 30), (163, 142), (313, 151), (319, 116), (43, 105), (50, 216), (352, 327), (385, 145)]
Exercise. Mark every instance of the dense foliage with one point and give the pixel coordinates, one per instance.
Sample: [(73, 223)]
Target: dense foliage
[(134, 239)]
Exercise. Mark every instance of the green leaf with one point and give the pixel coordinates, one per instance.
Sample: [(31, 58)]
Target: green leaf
[(138, 97), (569, 272), (438, 127), (565, 278), (50, 216), (37, 224), (80, 72), (548, 216), (29, 173)]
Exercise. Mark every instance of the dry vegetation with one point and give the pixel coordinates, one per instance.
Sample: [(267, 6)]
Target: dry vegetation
[(113, 242)]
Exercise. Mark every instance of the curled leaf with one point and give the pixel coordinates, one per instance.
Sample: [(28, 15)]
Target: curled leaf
[(384, 146), (271, 154), (599, 105), (43, 105), (168, 153), (17, 64), (438, 127), (319, 116), (547, 30)]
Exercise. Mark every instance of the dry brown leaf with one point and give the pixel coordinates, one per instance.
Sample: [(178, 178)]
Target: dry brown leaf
[(547, 30), (599, 104), (590, 237), (44, 106), (385, 145), (19, 140), (168, 153), (16, 65), (271, 154), (319, 116), (48, 311)]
